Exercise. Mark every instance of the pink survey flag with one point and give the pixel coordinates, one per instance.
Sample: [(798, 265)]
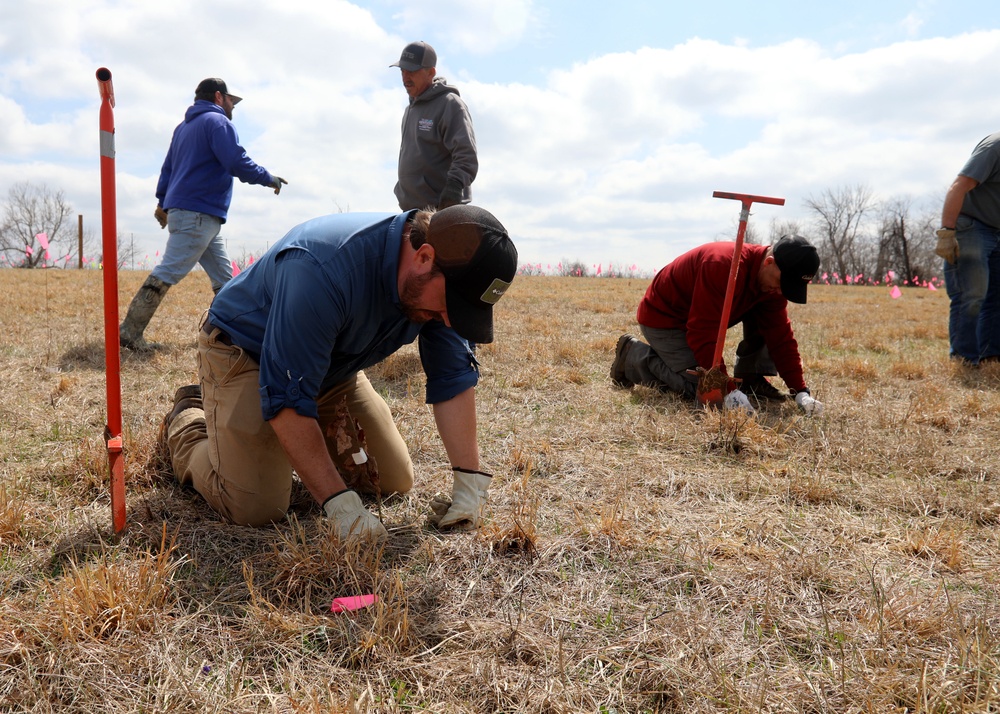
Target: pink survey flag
[(43, 240), (236, 269), (352, 602), (28, 250), (896, 293), (930, 286)]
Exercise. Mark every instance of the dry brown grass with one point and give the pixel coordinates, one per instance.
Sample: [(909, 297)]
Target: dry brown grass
[(640, 555)]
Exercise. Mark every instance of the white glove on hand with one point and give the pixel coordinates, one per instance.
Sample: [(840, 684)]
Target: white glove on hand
[(468, 498), (737, 400), (352, 519), (810, 406)]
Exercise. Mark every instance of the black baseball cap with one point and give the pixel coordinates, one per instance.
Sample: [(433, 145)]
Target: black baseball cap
[(478, 260), (208, 87), (416, 55), (798, 262)]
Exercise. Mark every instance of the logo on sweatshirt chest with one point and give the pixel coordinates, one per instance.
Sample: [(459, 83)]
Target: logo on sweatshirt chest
[(425, 125)]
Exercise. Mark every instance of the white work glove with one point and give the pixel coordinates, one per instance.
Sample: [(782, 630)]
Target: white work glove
[(351, 518), (468, 498), (810, 406), (737, 400), (947, 245)]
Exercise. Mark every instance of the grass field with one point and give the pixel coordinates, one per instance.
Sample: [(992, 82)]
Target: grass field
[(640, 555)]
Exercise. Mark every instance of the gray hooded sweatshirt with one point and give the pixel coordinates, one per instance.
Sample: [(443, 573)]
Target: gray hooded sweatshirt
[(438, 149)]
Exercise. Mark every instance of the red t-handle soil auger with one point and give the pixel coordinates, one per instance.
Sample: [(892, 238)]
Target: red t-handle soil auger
[(109, 263), (712, 385)]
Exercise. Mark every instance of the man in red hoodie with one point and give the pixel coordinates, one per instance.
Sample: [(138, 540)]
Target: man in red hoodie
[(680, 314)]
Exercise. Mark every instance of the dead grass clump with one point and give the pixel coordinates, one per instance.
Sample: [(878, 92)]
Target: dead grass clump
[(517, 532), (943, 546), (931, 404), (737, 433), (908, 369), (102, 599), (812, 490), (13, 515), (855, 368), (307, 562)]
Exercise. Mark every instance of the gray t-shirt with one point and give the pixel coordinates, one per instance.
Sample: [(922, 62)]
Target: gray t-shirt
[(983, 202)]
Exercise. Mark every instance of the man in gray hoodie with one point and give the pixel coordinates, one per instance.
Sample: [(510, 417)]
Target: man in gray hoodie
[(437, 155)]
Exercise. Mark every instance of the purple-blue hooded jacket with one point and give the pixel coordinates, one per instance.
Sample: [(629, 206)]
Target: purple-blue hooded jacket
[(204, 156)]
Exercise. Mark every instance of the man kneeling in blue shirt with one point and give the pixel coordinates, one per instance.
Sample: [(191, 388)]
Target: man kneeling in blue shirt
[(284, 345)]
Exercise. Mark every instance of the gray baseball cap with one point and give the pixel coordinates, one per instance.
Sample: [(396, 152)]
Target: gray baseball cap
[(416, 55)]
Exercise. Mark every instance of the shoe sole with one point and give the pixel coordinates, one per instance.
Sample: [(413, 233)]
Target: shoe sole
[(620, 349)]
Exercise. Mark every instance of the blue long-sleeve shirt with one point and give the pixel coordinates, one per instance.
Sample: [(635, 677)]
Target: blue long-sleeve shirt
[(323, 303), (204, 156)]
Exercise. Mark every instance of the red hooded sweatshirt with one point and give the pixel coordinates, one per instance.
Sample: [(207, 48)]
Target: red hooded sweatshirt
[(688, 295)]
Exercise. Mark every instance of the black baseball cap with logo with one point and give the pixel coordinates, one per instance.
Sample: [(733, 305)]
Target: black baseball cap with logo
[(798, 261), (416, 55), (208, 88), (478, 260)]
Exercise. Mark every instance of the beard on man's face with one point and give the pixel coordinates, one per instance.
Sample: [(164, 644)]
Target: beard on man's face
[(409, 298)]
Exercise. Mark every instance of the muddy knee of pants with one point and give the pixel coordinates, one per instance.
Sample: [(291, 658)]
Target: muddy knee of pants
[(257, 512), (384, 441)]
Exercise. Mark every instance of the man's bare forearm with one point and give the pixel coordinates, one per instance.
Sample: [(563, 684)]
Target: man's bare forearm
[(303, 442)]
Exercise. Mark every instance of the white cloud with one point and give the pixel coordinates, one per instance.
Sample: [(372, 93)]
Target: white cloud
[(475, 26), (615, 158)]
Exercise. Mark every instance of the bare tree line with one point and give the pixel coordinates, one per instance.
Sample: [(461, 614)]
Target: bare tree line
[(855, 233), (31, 210)]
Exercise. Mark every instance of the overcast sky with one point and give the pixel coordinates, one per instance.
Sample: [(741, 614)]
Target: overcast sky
[(603, 128)]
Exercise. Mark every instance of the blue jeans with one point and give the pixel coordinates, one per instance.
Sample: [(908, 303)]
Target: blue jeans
[(194, 238), (973, 285)]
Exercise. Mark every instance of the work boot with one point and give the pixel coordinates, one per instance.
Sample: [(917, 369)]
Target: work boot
[(140, 312), (188, 397), (757, 386), (618, 366)]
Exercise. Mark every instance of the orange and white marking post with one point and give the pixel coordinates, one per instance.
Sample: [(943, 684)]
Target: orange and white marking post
[(112, 354)]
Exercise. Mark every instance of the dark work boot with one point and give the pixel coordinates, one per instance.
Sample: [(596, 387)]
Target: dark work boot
[(757, 386), (618, 366), (188, 397), (140, 312)]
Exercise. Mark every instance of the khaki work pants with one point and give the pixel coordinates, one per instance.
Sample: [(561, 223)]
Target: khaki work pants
[(232, 457)]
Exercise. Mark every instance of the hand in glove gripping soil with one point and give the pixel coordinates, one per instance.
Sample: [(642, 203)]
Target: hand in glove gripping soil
[(713, 386)]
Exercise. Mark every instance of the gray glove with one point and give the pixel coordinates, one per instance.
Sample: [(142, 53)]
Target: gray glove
[(468, 498), (276, 184), (947, 245), (452, 194), (812, 407), (737, 400), (351, 518), (161, 216)]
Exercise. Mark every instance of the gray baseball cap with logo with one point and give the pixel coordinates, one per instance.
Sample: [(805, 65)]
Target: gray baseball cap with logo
[(478, 260), (416, 55)]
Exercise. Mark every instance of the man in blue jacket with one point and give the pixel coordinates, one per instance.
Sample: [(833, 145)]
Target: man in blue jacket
[(193, 196), (282, 352)]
